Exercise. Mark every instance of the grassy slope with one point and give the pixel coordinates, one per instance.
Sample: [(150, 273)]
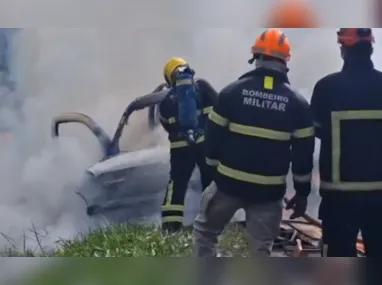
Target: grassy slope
[(139, 240), (126, 241)]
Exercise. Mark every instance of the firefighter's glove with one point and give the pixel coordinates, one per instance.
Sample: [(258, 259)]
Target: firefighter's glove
[(191, 137), (298, 204)]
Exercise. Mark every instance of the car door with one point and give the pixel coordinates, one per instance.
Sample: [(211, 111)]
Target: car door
[(102, 185), (104, 140)]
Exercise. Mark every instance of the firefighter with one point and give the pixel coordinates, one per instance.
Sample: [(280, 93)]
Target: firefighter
[(183, 114), (347, 111), (259, 126)]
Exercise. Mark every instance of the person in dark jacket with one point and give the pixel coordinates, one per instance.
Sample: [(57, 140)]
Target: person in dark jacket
[(183, 114), (347, 110), (259, 126)]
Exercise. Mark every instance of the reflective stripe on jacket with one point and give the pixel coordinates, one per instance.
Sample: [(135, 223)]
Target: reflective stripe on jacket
[(347, 110), (255, 132)]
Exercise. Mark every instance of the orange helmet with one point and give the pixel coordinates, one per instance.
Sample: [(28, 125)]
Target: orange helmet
[(273, 43), (348, 37), (292, 14)]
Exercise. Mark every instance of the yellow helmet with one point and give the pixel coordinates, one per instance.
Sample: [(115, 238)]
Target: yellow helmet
[(171, 65)]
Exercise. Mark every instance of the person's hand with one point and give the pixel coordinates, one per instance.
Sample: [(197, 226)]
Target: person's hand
[(298, 204)]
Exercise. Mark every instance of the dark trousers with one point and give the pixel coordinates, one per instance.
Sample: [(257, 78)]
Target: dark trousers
[(342, 220), (183, 161)]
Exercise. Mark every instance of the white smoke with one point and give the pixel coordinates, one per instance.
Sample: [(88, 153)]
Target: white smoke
[(98, 72)]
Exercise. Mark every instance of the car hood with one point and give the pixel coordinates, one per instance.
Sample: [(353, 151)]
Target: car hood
[(134, 159)]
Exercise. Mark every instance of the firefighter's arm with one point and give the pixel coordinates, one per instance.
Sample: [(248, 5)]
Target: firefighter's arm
[(302, 142), (166, 116), (210, 95), (317, 105), (216, 131)]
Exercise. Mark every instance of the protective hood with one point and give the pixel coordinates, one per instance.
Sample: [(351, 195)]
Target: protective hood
[(261, 71), (271, 65), (357, 64)]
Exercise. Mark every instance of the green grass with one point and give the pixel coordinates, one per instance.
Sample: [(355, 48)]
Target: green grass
[(127, 241), (139, 241)]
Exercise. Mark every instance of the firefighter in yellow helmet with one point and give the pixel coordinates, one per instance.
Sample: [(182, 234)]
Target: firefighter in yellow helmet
[(259, 127), (347, 111), (183, 114)]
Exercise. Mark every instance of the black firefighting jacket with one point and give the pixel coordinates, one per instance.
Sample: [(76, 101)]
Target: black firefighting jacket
[(260, 126), (168, 109), (347, 111)]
